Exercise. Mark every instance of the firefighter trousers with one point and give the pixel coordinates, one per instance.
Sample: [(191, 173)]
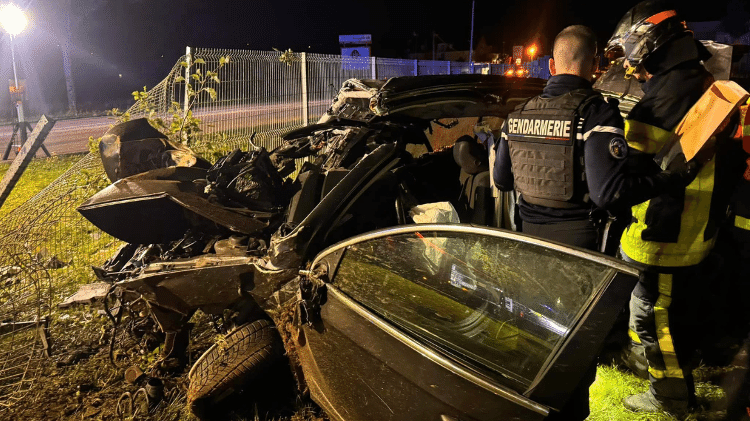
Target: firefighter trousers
[(664, 313)]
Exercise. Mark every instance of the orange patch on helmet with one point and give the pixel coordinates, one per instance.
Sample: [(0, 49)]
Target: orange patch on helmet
[(661, 17)]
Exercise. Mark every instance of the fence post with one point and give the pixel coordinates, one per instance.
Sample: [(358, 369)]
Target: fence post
[(449, 67), (188, 60), (305, 116), (374, 68), (416, 67)]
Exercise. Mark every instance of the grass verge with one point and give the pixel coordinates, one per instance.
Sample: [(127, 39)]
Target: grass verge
[(38, 175)]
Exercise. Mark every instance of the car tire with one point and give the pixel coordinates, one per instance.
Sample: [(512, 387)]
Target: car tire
[(244, 354)]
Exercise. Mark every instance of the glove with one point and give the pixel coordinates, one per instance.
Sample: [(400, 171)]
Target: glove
[(680, 173)]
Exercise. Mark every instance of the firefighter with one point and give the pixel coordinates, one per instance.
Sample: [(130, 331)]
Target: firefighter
[(672, 234), (565, 153)]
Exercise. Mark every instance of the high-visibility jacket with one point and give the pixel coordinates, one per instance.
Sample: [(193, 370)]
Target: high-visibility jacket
[(676, 228)]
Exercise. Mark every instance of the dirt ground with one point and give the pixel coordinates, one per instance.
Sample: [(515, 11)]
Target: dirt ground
[(80, 382)]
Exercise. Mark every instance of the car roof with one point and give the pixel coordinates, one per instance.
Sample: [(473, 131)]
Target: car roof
[(451, 96)]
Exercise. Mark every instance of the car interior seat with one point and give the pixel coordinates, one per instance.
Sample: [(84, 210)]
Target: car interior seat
[(475, 202), (315, 185), (308, 195)]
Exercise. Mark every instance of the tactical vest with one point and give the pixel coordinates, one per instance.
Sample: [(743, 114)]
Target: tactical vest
[(545, 143)]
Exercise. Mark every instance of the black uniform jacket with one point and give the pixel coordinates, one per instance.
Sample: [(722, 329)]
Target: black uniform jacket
[(611, 183)]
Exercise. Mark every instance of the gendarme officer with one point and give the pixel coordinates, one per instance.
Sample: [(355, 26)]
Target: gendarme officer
[(565, 153)]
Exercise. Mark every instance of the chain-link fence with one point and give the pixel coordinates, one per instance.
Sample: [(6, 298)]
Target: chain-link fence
[(47, 249)]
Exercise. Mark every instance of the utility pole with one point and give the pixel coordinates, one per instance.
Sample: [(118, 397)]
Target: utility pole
[(433, 45), (471, 39), (66, 47), (19, 101), (14, 21)]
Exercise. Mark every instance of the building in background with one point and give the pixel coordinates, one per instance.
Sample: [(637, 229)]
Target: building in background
[(355, 51)]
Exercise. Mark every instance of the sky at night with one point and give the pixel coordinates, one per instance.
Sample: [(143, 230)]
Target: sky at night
[(142, 39)]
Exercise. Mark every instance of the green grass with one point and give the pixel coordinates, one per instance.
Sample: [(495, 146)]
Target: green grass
[(612, 385), (38, 175), (63, 234)]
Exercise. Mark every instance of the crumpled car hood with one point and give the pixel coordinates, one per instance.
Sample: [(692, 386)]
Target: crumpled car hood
[(134, 146), (159, 206)]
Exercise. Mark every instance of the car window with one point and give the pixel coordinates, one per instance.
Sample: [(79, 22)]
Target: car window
[(496, 304), (444, 132)]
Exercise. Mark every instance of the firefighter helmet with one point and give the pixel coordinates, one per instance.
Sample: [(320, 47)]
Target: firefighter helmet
[(644, 29)]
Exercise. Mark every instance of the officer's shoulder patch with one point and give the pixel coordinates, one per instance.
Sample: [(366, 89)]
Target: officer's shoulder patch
[(618, 148)]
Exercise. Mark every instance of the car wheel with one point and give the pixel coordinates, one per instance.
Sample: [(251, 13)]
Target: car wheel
[(244, 354)]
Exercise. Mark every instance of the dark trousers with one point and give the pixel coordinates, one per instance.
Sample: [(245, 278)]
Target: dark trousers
[(664, 309), (581, 233)]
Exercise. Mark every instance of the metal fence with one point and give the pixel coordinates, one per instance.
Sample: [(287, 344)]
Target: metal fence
[(268, 92), (47, 248)]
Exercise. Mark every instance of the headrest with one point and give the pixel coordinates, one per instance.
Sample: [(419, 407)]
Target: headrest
[(470, 155)]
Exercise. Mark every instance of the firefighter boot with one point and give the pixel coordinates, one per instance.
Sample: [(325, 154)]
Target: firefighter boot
[(647, 402)]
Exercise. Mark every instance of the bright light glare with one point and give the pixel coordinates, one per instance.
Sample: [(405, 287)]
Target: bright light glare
[(12, 19)]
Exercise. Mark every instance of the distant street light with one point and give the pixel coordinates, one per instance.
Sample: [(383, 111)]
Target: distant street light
[(531, 51), (13, 22)]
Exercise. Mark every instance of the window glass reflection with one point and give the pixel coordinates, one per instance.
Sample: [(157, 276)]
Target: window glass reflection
[(489, 302)]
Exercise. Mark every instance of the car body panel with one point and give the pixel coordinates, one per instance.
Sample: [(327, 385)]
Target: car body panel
[(430, 97), (204, 282), (360, 366), (158, 206), (358, 361)]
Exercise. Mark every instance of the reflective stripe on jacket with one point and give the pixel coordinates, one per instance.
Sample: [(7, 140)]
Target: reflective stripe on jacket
[(681, 225), (674, 229)]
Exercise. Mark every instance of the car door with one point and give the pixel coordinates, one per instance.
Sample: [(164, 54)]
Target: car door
[(455, 322)]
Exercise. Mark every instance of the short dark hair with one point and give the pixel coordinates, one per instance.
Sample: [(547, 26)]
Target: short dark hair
[(574, 45)]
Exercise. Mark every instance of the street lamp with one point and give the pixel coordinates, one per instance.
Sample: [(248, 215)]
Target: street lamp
[(13, 22), (531, 51)]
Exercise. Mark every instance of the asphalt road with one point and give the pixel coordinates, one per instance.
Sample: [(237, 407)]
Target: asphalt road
[(66, 137), (72, 136)]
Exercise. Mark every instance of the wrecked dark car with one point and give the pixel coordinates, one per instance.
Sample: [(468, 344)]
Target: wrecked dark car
[(382, 270)]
